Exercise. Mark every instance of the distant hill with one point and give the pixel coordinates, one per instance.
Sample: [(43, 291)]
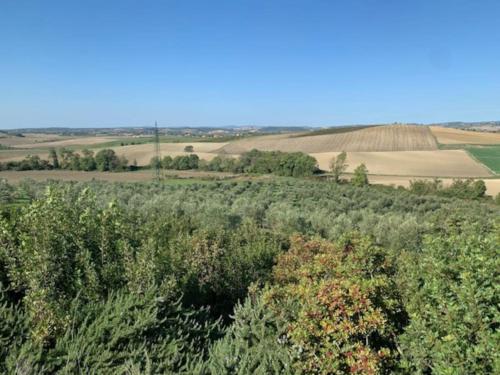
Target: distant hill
[(490, 126)]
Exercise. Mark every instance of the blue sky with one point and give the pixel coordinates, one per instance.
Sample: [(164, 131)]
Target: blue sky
[(213, 63)]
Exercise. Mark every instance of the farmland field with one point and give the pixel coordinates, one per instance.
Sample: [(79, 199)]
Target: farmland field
[(38, 138), (50, 140), (450, 136), (489, 156), (439, 163), (411, 151), (379, 138), (144, 152)]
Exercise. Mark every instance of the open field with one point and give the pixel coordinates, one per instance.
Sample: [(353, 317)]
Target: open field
[(411, 150), (439, 163), (73, 141), (143, 153), (11, 155), (32, 138), (450, 136), (379, 138), (489, 156)]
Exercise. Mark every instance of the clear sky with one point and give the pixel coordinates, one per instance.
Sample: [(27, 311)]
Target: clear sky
[(262, 62)]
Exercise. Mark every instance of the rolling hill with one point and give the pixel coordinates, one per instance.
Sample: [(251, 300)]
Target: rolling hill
[(378, 138)]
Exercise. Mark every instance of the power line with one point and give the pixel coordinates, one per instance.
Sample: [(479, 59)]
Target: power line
[(157, 171)]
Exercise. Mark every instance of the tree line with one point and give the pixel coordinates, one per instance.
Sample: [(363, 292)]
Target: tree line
[(293, 164), (103, 160)]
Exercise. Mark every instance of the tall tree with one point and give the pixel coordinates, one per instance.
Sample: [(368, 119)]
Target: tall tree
[(338, 166)]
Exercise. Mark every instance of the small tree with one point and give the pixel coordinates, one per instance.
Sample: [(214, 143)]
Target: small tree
[(53, 158), (166, 162), (87, 162), (479, 188), (155, 163), (338, 166), (189, 148), (107, 160), (360, 177)]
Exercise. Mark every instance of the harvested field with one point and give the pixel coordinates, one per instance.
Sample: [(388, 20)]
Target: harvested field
[(74, 141), (143, 153), (379, 138), (451, 136), (439, 163), (31, 138), (12, 155)]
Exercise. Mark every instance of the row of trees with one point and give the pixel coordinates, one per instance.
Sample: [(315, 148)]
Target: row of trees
[(103, 160), (180, 163), (465, 189), (295, 164)]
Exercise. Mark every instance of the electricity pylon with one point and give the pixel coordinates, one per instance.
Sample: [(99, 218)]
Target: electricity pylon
[(157, 169)]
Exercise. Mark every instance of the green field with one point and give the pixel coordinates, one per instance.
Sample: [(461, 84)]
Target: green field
[(488, 155)]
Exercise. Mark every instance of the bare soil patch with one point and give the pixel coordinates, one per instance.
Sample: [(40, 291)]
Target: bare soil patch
[(450, 136), (31, 138), (379, 138), (439, 163), (75, 141)]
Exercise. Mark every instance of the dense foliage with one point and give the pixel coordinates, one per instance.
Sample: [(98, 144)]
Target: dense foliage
[(286, 276), (295, 164), (103, 160), (342, 305), (466, 189)]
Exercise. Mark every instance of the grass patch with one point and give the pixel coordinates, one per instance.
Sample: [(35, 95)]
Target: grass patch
[(488, 155)]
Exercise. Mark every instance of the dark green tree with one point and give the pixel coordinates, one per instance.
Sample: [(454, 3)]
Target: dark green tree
[(53, 158), (107, 160), (87, 162)]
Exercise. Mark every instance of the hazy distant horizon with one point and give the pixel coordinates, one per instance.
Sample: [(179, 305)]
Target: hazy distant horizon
[(240, 126), (220, 63)]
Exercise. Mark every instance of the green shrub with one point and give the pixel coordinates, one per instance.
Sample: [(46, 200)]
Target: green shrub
[(360, 177), (341, 306), (451, 294), (255, 343)]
